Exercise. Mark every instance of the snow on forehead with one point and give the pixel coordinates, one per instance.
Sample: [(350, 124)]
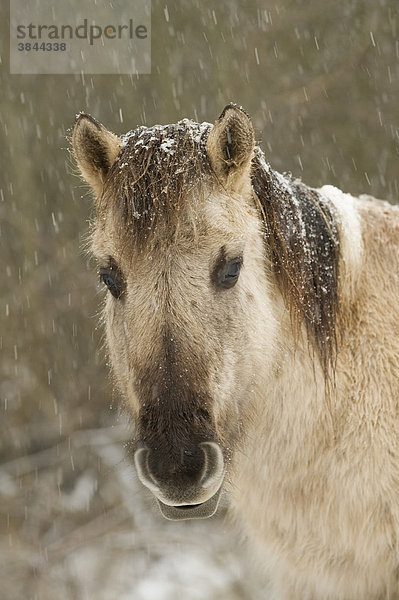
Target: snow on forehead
[(166, 133)]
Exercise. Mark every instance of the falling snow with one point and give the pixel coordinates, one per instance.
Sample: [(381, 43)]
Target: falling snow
[(323, 102)]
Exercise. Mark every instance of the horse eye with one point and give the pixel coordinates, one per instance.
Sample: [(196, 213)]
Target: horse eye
[(229, 275), (113, 279)]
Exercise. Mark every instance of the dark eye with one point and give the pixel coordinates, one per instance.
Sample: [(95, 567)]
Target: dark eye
[(113, 279), (228, 274)]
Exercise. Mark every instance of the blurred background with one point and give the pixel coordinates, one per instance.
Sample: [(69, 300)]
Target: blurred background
[(321, 82)]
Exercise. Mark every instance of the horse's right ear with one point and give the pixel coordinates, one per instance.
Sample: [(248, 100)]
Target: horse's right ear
[(230, 144), (95, 150)]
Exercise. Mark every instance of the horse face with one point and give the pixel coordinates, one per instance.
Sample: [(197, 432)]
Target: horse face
[(188, 323)]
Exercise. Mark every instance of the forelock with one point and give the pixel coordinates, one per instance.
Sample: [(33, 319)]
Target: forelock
[(154, 173)]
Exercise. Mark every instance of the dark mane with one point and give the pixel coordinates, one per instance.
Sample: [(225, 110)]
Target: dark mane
[(155, 170), (303, 242)]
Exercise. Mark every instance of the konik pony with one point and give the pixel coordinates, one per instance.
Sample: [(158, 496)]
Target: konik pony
[(252, 329)]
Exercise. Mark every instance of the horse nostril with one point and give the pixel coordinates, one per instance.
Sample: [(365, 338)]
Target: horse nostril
[(143, 472), (214, 464), (156, 468), (192, 467)]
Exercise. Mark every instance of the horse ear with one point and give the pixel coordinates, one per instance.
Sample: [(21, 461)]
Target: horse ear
[(95, 150), (230, 144)]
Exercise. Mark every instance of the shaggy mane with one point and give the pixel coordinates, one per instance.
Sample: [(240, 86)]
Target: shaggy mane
[(303, 243)]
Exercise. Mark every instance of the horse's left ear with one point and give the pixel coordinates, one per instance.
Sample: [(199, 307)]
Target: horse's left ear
[(230, 144), (95, 150)]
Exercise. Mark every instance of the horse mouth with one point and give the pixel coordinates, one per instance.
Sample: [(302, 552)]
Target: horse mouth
[(191, 511)]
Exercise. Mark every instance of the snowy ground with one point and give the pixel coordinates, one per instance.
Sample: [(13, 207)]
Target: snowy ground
[(76, 524)]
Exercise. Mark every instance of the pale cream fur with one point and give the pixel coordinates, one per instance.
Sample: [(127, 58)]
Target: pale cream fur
[(314, 478), (318, 488), (347, 215)]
